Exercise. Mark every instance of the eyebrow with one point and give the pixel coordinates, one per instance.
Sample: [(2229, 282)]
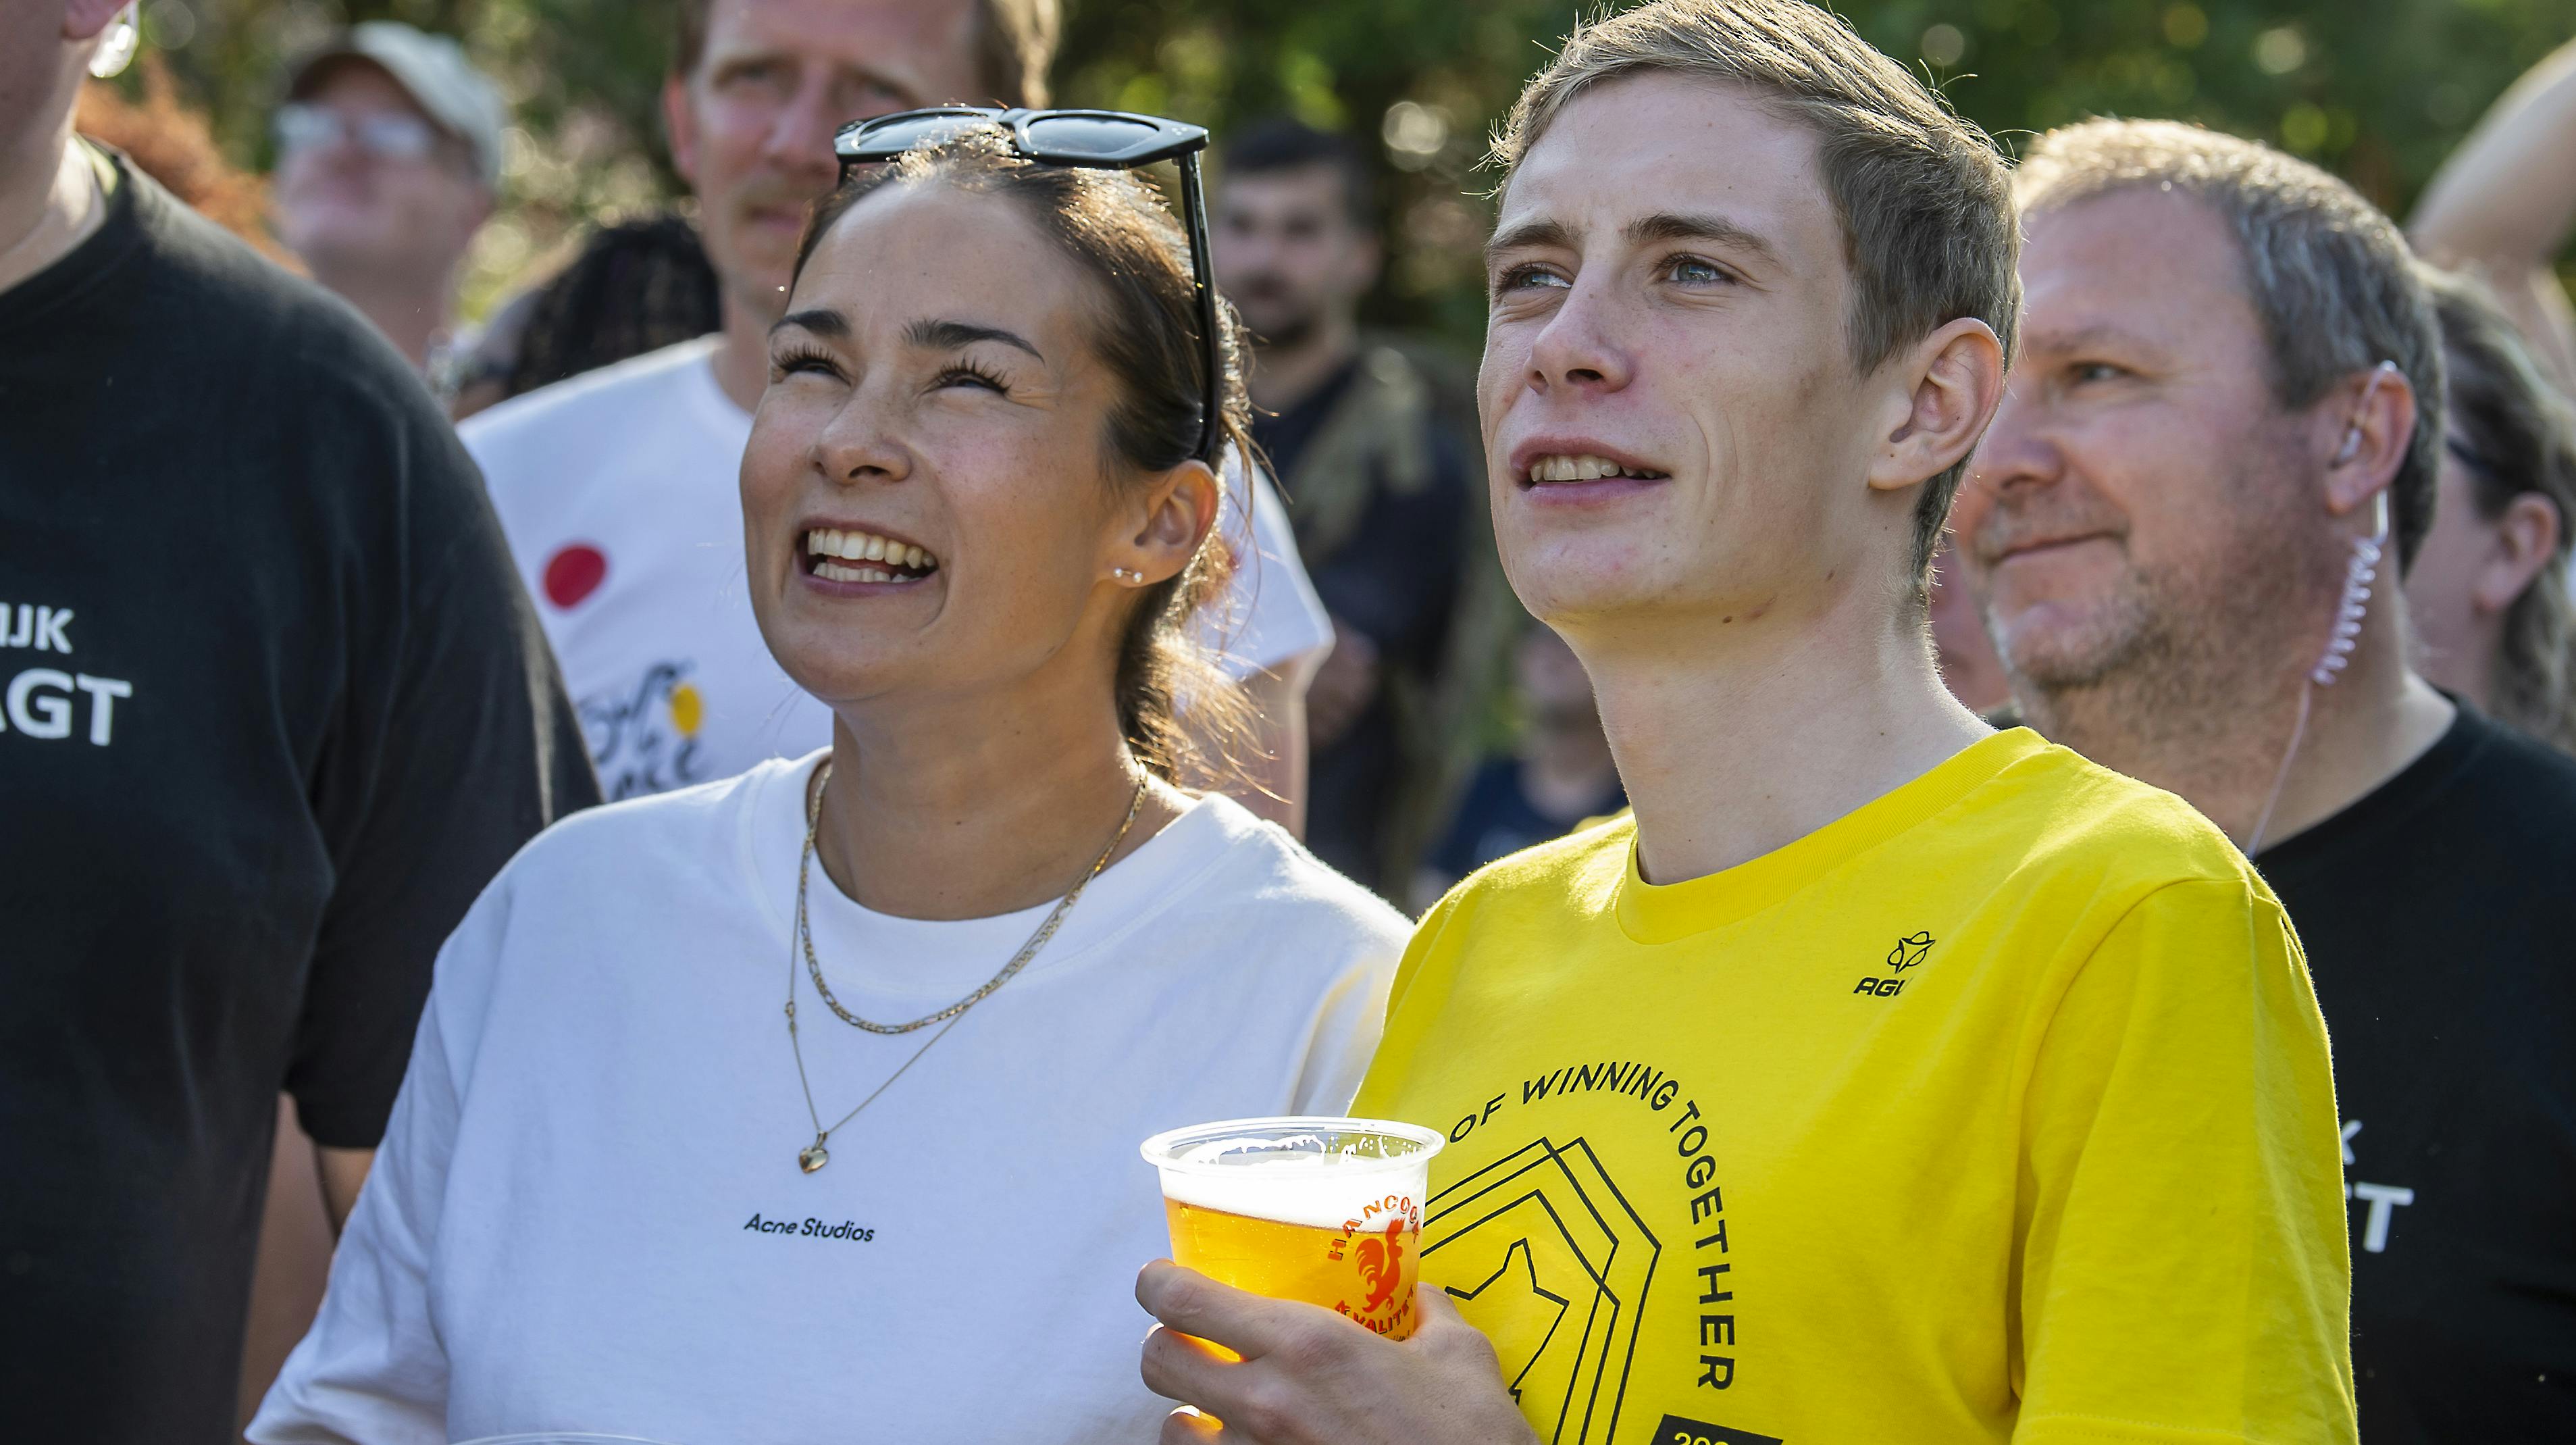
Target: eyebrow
[(944, 335), (821, 321), (1699, 226), (2085, 338), (1528, 234), (1645, 230), (929, 335)]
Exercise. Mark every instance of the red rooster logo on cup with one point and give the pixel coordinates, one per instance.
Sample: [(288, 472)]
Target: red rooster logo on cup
[(1379, 1256)]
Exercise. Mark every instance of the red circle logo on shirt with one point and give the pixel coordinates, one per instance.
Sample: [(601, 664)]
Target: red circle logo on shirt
[(574, 573)]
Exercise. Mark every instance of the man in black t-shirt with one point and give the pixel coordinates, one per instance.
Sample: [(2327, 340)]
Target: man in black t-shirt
[(1377, 487), (272, 710), (2185, 531)]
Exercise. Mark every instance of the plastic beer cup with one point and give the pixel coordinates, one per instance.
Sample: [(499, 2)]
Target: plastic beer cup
[(1328, 1211)]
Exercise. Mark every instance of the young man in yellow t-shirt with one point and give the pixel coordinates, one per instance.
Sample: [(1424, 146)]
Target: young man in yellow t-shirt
[(1886, 1078)]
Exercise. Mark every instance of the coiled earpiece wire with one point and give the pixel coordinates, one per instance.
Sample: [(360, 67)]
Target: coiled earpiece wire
[(2359, 574)]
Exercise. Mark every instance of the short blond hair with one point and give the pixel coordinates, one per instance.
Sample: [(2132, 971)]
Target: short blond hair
[(1923, 198), (2331, 278)]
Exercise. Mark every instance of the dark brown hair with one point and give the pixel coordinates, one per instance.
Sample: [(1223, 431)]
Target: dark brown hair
[(1924, 201), (2520, 437), (1015, 44), (1145, 329)]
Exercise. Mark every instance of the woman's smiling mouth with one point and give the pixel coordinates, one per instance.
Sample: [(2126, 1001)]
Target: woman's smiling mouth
[(838, 555)]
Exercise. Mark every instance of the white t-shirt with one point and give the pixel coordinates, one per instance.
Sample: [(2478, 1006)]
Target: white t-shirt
[(620, 493), (587, 1212)]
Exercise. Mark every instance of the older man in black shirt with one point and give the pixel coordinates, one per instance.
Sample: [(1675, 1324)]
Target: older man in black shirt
[(272, 710), (2185, 532)]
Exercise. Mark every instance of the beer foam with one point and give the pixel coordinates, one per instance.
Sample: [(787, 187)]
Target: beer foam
[(1324, 1191)]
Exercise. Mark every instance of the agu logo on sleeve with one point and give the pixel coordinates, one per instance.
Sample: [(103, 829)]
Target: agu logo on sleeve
[(1908, 953)]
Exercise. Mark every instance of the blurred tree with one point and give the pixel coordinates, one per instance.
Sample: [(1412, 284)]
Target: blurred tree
[(2378, 90)]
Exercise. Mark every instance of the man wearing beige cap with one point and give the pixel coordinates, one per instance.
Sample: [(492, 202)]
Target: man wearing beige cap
[(388, 151)]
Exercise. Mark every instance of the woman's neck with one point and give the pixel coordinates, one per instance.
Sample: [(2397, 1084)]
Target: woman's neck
[(976, 805)]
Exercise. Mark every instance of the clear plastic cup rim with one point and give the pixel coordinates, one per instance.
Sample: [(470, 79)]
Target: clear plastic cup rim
[(1162, 1151)]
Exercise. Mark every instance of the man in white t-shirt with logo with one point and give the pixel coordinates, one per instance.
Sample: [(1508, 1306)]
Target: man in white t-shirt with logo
[(617, 489)]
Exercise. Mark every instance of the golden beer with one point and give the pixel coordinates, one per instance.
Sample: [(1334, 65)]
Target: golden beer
[(1328, 1211), (1365, 1274)]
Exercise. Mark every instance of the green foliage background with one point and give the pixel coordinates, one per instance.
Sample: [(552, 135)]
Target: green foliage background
[(2378, 90)]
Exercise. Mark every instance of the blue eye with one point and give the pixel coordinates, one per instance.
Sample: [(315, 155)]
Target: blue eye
[(1692, 271), (1519, 278)]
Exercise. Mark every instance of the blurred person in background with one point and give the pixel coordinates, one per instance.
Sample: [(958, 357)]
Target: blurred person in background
[(1376, 484), (1884, 1077), (252, 783), (637, 286), (618, 489), (388, 157), (2488, 590), (1557, 774), (2217, 457), (622, 1192)]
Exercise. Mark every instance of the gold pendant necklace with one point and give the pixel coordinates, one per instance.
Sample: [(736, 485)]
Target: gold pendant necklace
[(814, 1156)]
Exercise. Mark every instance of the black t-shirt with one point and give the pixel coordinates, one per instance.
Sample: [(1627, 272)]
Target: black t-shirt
[(2439, 918), (273, 708), (1395, 579)]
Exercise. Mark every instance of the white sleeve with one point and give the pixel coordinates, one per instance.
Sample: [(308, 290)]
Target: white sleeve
[(372, 1371), (1270, 619), (1348, 1020)]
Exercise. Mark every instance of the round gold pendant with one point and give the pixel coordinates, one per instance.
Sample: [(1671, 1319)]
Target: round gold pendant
[(813, 1156)]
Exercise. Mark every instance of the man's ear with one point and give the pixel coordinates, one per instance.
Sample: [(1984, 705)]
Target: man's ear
[(2366, 424), (1951, 381), (681, 124), (1180, 508)]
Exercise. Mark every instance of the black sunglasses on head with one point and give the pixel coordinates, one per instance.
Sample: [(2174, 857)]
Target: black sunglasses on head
[(1105, 140)]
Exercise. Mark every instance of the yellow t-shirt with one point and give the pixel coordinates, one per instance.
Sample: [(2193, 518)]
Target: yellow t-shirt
[(1998, 1110)]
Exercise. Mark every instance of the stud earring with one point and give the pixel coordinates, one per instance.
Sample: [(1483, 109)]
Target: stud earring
[(1127, 574)]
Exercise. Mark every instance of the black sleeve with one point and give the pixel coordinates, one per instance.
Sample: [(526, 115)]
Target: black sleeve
[(455, 745), (1396, 579)]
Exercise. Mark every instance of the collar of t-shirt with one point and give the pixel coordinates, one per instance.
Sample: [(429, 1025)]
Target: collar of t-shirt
[(894, 969), (2420, 784), (93, 262), (1650, 913)]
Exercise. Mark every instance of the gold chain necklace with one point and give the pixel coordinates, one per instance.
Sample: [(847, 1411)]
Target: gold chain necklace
[(814, 1156)]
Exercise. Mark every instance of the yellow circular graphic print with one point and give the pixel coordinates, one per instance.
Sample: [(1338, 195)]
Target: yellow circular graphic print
[(688, 710)]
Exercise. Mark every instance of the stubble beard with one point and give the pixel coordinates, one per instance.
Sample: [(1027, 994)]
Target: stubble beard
[(2183, 676)]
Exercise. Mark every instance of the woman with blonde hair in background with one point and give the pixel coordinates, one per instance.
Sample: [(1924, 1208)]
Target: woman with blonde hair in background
[(2488, 589), (682, 1152)]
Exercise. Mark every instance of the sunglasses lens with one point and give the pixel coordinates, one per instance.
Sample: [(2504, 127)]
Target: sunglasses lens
[(893, 138), (1088, 135)]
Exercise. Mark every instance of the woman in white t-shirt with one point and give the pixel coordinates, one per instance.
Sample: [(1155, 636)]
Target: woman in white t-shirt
[(650, 1173)]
